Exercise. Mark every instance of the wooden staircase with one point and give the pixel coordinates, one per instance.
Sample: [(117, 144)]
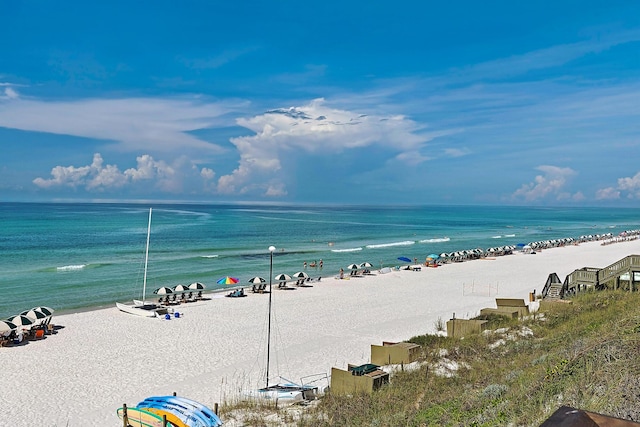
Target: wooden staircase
[(595, 278), (553, 288)]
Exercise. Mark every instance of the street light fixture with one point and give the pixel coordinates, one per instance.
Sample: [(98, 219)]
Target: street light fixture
[(271, 251)]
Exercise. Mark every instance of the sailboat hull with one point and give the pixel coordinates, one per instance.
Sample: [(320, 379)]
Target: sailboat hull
[(144, 310)]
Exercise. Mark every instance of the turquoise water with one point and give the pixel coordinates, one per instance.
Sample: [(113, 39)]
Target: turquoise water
[(76, 256)]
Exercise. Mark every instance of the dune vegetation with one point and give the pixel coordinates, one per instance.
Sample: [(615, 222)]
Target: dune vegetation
[(582, 354)]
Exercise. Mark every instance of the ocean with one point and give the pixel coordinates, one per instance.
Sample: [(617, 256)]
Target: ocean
[(82, 256)]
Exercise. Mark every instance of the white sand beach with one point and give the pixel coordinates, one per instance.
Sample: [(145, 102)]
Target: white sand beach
[(104, 358)]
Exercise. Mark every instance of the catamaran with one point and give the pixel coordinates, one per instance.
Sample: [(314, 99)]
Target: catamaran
[(284, 391), (142, 307)]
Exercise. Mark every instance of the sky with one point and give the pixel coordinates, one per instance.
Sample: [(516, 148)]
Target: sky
[(332, 102)]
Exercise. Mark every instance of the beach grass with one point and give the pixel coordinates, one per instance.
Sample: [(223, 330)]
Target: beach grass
[(582, 354)]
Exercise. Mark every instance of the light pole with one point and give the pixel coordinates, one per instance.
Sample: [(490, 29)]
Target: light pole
[(271, 251)]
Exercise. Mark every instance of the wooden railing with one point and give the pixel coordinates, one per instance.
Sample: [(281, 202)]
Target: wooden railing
[(595, 277), (551, 279), (618, 268)]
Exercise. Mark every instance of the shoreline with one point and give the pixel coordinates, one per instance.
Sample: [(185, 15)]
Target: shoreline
[(216, 348)]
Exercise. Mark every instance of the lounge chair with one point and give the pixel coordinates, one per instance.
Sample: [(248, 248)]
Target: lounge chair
[(237, 293)]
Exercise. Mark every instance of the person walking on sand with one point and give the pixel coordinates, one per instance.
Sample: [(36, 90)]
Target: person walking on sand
[(341, 273)]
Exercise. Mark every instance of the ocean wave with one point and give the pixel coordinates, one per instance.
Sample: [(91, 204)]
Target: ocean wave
[(386, 245), (346, 250), (509, 235), (496, 237), (71, 267), (208, 256), (436, 240)]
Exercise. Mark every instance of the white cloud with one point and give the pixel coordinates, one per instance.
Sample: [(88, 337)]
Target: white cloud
[(150, 174), (313, 128), (627, 185), (608, 193), (551, 184), (11, 93), (134, 124), (456, 152)]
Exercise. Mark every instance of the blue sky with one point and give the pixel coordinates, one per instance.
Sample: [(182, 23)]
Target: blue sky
[(380, 102)]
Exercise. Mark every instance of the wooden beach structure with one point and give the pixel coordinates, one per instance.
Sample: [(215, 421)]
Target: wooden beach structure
[(508, 307), (458, 328), (622, 274), (391, 353), (358, 379)]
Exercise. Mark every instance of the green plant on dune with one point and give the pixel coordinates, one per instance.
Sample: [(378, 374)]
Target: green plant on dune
[(582, 354)]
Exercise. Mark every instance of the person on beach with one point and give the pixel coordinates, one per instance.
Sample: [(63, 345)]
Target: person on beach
[(341, 273), (320, 265), (304, 265)]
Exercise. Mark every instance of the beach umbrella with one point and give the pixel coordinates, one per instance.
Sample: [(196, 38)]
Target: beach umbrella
[(6, 326), (21, 320), (46, 310), (433, 256), (301, 275), (353, 266), (181, 288), (257, 280), (366, 265), (404, 258), (227, 280), (282, 277), (163, 291), (197, 286), (36, 316)]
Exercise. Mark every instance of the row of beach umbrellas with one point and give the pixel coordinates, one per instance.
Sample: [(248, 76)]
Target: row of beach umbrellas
[(197, 286), (26, 319)]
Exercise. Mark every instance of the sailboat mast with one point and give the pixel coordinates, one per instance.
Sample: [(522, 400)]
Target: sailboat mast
[(146, 260)]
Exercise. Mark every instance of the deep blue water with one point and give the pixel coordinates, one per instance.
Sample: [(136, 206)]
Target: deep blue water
[(75, 256)]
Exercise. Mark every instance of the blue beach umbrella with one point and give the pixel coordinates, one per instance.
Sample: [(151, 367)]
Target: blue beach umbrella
[(404, 258)]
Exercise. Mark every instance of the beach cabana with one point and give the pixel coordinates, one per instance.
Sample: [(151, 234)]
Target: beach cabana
[(358, 379), (392, 353)]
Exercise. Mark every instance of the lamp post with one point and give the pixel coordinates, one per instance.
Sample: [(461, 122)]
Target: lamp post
[(271, 251)]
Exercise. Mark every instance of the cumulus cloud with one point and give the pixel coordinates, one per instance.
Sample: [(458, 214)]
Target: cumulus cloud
[(313, 128), (550, 184), (149, 174), (627, 185)]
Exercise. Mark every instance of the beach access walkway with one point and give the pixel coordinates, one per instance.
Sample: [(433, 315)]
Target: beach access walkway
[(620, 274)]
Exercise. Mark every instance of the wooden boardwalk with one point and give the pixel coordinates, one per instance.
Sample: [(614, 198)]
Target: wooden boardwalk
[(620, 274)]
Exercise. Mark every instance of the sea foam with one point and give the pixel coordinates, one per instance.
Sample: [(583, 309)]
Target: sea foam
[(386, 245), (346, 250), (71, 267), (436, 240)]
